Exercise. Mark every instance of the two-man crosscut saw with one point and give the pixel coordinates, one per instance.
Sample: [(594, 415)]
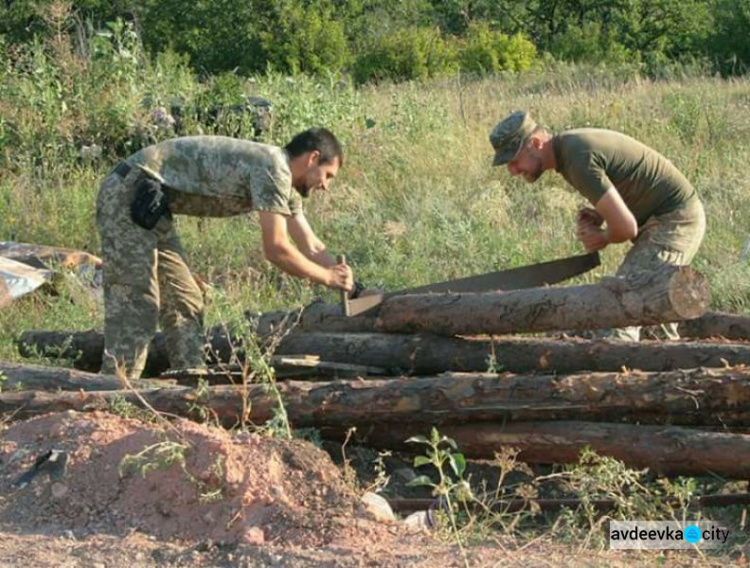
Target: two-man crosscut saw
[(529, 276)]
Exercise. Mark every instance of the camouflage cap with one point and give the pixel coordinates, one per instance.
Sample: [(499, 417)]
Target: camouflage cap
[(508, 136)]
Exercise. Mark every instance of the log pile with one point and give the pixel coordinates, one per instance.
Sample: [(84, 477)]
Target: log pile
[(677, 408)]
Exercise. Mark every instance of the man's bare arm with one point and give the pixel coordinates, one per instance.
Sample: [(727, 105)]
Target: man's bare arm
[(308, 242), (621, 224), (278, 249)]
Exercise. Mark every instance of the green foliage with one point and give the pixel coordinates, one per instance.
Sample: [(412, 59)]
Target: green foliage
[(326, 36), (487, 51), (602, 477), (217, 35), (408, 53), (161, 455), (730, 42), (590, 44), (440, 452), (306, 39), (302, 101), (685, 113), (120, 406)]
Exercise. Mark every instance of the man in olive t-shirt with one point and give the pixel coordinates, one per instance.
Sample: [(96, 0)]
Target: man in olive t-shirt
[(640, 194), (146, 277)]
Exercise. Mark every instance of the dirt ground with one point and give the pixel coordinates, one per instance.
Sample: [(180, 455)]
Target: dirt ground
[(116, 492)]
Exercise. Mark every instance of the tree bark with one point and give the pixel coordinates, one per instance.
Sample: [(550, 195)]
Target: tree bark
[(668, 295), (318, 316), (423, 354), (37, 377), (717, 324), (86, 348), (666, 450), (699, 397)]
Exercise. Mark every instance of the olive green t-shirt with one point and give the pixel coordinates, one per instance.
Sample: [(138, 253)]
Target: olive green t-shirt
[(593, 160), (218, 176)]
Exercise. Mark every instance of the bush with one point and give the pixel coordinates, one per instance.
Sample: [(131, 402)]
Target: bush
[(306, 40), (487, 51), (409, 53), (590, 44)]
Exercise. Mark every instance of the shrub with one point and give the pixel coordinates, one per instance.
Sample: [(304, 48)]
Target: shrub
[(409, 53), (487, 51), (590, 44), (306, 40)]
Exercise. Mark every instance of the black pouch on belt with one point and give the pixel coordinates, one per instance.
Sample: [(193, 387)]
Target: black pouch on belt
[(149, 204)]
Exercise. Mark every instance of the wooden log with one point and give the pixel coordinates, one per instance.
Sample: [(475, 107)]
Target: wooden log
[(86, 348), (18, 376), (667, 295), (318, 316), (666, 450), (424, 354), (700, 397), (299, 367), (717, 324), (224, 402)]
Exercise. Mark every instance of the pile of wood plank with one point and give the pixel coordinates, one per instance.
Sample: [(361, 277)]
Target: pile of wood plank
[(449, 360)]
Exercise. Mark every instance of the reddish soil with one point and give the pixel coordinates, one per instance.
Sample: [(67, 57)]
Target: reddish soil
[(232, 492), (235, 500)]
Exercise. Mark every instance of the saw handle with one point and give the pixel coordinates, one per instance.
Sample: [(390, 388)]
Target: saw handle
[(341, 259)]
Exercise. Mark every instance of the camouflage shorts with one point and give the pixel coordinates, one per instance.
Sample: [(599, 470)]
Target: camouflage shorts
[(672, 239)]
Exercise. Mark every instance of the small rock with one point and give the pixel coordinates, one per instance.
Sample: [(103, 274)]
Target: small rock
[(376, 507), (417, 521), (59, 490), (254, 536)]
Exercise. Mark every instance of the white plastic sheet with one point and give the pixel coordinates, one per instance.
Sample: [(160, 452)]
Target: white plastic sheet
[(21, 278)]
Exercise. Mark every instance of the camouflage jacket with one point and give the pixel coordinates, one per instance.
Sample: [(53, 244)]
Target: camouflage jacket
[(218, 176)]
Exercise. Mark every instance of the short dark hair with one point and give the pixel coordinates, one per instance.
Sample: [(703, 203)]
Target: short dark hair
[(320, 139)]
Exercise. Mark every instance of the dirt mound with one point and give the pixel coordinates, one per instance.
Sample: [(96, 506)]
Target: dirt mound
[(183, 481)]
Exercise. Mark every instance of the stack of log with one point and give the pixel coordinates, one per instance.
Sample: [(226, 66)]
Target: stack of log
[(446, 360)]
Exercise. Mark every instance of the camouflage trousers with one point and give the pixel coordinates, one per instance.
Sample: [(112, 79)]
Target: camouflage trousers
[(671, 239), (146, 282)]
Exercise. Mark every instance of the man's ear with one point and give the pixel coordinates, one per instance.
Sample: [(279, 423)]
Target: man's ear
[(537, 142), (313, 158)]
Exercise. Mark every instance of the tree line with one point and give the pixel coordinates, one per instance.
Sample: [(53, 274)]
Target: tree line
[(407, 39)]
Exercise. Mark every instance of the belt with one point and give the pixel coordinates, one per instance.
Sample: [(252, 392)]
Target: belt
[(123, 169)]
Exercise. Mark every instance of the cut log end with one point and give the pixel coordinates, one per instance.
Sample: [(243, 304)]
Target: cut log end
[(689, 293)]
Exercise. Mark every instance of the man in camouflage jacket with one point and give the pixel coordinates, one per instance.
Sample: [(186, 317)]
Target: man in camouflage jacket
[(146, 277)]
